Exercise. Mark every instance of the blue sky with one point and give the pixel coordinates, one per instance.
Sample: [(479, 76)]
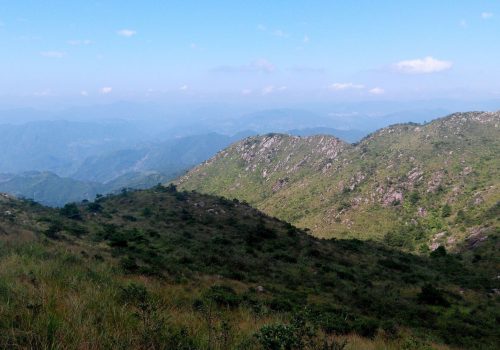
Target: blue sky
[(248, 50)]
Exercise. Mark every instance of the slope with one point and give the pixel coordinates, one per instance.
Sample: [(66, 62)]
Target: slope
[(168, 269), (415, 186)]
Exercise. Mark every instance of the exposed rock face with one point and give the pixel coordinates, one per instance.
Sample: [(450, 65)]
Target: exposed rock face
[(435, 176), (393, 197), (477, 236)]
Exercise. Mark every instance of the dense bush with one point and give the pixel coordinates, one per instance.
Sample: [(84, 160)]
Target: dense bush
[(432, 296), (71, 211)]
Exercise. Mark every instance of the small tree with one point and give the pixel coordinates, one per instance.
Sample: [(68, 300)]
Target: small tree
[(430, 295), (446, 211), (71, 211)]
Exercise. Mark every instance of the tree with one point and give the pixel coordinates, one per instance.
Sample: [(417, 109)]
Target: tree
[(446, 211), (71, 211)]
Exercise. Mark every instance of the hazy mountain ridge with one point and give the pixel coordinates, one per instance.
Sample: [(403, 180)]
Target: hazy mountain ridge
[(99, 170), (412, 185), (170, 157)]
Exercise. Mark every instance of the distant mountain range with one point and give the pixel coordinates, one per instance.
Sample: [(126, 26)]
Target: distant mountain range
[(413, 186), (53, 190), (136, 168), (59, 161)]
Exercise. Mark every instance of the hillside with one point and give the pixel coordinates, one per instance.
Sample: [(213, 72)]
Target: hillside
[(414, 186), (168, 269)]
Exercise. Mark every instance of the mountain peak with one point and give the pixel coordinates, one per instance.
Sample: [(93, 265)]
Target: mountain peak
[(410, 181)]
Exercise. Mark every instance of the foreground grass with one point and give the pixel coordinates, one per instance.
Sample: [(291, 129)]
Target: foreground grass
[(162, 269), (53, 298)]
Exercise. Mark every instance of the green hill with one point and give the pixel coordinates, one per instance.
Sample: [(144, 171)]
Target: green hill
[(413, 186), (162, 269)]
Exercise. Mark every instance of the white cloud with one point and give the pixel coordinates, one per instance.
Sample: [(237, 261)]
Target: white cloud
[(376, 91), (306, 39), (486, 15), (78, 42), (246, 92), (126, 32), (53, 54), (463, 23), (184, 87), (84, 93), (345, 86), (261, 27), (423, 65), (105, 90)]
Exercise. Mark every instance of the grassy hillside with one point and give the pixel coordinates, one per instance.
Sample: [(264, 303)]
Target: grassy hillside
[(414, 186), (176, 270)]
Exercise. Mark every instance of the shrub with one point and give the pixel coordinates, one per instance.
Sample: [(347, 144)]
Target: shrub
[(412, 343), (129, 218), (134, 293), (390, 329), (147, 212), (71, 211), (414, 197), (366, 327), (334, 323), (94, 207), (446, 211), (394, 264), (223, 296), (430, 295), (53, 230), (439, 252), (297, 335), (128, 263), (277, 337)]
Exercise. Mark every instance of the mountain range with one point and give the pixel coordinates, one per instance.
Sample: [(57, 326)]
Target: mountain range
[(414, 186), (70, 162)]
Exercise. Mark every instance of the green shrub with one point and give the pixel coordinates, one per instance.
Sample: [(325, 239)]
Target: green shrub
[(277, 337), (334, 323), (134, 293), (430, 295), (224, 296), (295, 336), (71, 211), (94, 207), (446, 211), (439, 252), (366, 327)]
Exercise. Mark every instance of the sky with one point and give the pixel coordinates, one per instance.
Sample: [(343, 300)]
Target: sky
[(282, 50)]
